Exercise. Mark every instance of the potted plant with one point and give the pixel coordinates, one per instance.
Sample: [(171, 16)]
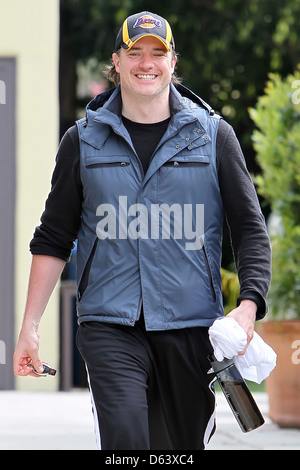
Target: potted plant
[(277, 145)]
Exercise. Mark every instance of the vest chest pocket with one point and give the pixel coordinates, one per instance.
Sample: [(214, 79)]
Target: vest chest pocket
[(185, 176), (185, 161), (107, 161)]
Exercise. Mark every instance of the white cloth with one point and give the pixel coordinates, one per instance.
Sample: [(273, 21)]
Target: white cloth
[(228, 338)]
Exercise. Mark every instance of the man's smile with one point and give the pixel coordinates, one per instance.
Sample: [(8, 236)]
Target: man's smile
[(146, 76)]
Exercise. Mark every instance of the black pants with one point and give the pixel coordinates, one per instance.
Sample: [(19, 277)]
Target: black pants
[(150, 390)]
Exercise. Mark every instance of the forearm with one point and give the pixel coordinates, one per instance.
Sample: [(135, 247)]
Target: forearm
[(44, 274)]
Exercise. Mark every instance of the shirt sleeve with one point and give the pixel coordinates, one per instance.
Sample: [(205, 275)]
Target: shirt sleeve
[(61, 218), (248, 234)]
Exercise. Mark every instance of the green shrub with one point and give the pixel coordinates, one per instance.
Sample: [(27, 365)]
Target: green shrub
[(277, 145)]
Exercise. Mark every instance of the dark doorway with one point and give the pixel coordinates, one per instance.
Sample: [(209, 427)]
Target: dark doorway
[(7, 218)]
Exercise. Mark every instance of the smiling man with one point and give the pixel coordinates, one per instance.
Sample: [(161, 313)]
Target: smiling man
[(146, 70), (143, 182)]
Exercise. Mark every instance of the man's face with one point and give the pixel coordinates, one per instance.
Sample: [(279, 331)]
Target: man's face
[(146, 69)]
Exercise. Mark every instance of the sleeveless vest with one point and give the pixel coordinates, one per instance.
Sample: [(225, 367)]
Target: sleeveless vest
[(153, 239)]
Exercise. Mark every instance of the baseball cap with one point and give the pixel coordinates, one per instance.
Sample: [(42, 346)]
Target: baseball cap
[(144, 24)]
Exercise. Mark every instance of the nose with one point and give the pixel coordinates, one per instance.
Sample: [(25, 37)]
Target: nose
[(146, 61)]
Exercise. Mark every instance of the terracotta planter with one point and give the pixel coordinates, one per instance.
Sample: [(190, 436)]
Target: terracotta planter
[(283, 384)]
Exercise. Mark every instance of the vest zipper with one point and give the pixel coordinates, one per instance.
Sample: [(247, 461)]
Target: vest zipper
[(208, 270), (85, 275), (107, 164)]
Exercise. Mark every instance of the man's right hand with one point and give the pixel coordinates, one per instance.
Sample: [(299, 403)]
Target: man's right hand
[(44, 274), (27, 352)]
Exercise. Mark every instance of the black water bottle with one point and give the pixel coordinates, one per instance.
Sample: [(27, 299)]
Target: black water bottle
[(237, 394)]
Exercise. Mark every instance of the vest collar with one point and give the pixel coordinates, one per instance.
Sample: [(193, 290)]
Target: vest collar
[(105, 111)]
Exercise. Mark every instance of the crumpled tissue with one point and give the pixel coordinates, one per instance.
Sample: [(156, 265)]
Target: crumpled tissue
[(228, 338)]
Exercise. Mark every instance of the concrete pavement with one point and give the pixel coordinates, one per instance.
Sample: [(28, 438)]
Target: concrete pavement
[(64, 421), (268, 437)]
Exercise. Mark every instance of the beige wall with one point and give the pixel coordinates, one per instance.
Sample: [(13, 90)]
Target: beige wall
[(29, 31)]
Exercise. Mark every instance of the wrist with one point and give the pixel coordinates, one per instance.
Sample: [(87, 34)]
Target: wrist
[(30, 324), (249, 304)]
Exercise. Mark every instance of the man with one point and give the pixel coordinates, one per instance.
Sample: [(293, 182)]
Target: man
[(143, 182)]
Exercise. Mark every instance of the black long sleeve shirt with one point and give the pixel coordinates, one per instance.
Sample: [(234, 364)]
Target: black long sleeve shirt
[(61, 219)]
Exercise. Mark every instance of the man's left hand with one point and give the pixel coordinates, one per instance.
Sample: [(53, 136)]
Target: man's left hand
[(245, 315)]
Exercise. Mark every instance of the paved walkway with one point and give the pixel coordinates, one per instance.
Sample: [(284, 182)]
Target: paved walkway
[(63, 421)]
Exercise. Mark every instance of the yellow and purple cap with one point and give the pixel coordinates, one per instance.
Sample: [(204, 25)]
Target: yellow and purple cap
[(142, 25)]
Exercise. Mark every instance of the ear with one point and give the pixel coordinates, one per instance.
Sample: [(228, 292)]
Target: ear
[(173, 63), (116, 61)]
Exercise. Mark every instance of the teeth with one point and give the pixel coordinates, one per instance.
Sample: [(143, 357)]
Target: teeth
[(146, 77)]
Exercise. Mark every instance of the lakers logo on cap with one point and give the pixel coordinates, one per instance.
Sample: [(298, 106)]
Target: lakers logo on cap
[(147, 22)]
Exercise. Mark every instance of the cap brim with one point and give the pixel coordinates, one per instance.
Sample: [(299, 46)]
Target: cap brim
[(140, 36)]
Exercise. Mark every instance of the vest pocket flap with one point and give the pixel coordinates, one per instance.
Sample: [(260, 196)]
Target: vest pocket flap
[(110, 160), (189, 160)]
